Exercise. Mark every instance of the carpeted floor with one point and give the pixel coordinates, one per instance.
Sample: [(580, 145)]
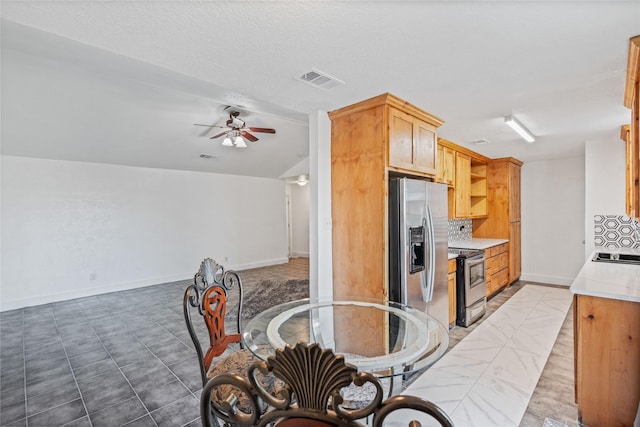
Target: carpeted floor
[(267, 293)]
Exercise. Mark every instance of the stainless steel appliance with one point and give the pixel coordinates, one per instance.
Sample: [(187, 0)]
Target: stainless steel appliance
[(471, 285), (418, 249)]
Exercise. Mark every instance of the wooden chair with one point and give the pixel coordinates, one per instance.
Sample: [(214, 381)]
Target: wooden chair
[(208, 295), (311, 396)]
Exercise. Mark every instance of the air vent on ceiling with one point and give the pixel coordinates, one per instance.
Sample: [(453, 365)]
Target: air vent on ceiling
[(207, 156), (319, 79), (480, 141)]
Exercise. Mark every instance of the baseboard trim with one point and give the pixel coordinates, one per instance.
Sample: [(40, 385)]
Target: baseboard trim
[(88, 292), (299, 254), (105, 289), (265, 263), (552, 280)]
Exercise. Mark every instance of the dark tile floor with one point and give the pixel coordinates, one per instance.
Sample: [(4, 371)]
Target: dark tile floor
[(123, 358)]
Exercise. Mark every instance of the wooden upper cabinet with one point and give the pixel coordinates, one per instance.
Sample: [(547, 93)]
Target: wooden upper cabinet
[(478, 179), (632, 101), (471, 187), (400, 139), (412, 143), (463, 186), (446, 166), (632, 172)]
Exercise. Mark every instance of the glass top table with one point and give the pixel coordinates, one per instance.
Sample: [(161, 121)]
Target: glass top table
[(381, 337)]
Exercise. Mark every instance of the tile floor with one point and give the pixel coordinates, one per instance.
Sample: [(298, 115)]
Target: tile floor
[(489, 378), (123, 358), (126, 358)]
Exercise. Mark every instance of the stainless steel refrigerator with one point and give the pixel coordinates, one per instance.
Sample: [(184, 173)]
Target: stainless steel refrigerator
[(418, 248)]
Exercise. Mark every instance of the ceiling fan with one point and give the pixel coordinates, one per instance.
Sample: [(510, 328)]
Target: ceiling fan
[(236, 130)]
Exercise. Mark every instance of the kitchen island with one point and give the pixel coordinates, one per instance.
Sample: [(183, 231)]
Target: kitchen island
[(607, 341)]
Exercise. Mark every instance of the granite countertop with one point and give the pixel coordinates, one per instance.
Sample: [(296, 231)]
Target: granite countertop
[(476, 243), (609, 280)]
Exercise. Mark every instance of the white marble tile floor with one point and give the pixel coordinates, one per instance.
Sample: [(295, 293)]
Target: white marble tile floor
[(489, 377)]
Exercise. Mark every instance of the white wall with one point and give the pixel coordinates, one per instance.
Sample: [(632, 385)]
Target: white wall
[(320, 240), (63, 221), (605, 184), (553, 195), (299, 217)]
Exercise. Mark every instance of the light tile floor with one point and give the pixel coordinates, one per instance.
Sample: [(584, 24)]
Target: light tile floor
[(489, 378)]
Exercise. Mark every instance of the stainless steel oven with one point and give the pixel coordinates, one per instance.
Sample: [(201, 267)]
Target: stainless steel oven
[(471, 285)]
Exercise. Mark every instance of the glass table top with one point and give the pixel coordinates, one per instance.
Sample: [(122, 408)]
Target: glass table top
[(381, 337)]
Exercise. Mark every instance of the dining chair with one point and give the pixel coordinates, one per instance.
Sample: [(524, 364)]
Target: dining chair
[(313, 378), (208, 297)]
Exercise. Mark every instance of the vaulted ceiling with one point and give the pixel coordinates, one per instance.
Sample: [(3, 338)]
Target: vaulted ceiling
[(124, 82)]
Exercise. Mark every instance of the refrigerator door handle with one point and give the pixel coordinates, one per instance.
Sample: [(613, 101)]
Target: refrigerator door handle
[(431, 249)]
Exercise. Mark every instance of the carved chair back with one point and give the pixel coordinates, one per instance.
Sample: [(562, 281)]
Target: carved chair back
[(208, 294), (313, 378)]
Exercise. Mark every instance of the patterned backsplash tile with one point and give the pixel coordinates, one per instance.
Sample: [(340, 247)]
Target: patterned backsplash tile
[(616, 231), (460, 229)]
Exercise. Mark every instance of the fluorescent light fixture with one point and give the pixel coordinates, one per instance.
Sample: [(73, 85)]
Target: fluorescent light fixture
[(521, 130)]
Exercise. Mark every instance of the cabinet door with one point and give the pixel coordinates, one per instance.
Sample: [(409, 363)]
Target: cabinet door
[(440, 171), (452, 297), (424, 147), (607, 346), (400, 139), (514, 251), (514, 192), (463, 185), (449, 166)]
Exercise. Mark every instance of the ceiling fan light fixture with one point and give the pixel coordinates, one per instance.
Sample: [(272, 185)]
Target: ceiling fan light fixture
[(240, 142), (519, 128), (227, 142)]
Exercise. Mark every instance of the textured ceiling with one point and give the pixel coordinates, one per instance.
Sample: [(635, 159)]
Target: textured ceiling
[(558, 66)]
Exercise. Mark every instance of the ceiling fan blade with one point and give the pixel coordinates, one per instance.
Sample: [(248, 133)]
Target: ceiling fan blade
[(264, 130), (209, 126), (218, 135), (248, 136)]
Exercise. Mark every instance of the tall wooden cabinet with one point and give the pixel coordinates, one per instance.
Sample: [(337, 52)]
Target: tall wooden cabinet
[(370, 140), (503, 222)]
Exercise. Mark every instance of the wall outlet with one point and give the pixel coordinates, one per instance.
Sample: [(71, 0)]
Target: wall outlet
[(93, 276)]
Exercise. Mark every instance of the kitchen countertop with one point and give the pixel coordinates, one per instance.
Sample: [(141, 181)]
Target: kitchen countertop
[(476, 243), (451, 256), (609, 280)]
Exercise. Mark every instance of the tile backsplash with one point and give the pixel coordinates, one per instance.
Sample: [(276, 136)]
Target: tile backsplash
[(460, 229), (614, 231)]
